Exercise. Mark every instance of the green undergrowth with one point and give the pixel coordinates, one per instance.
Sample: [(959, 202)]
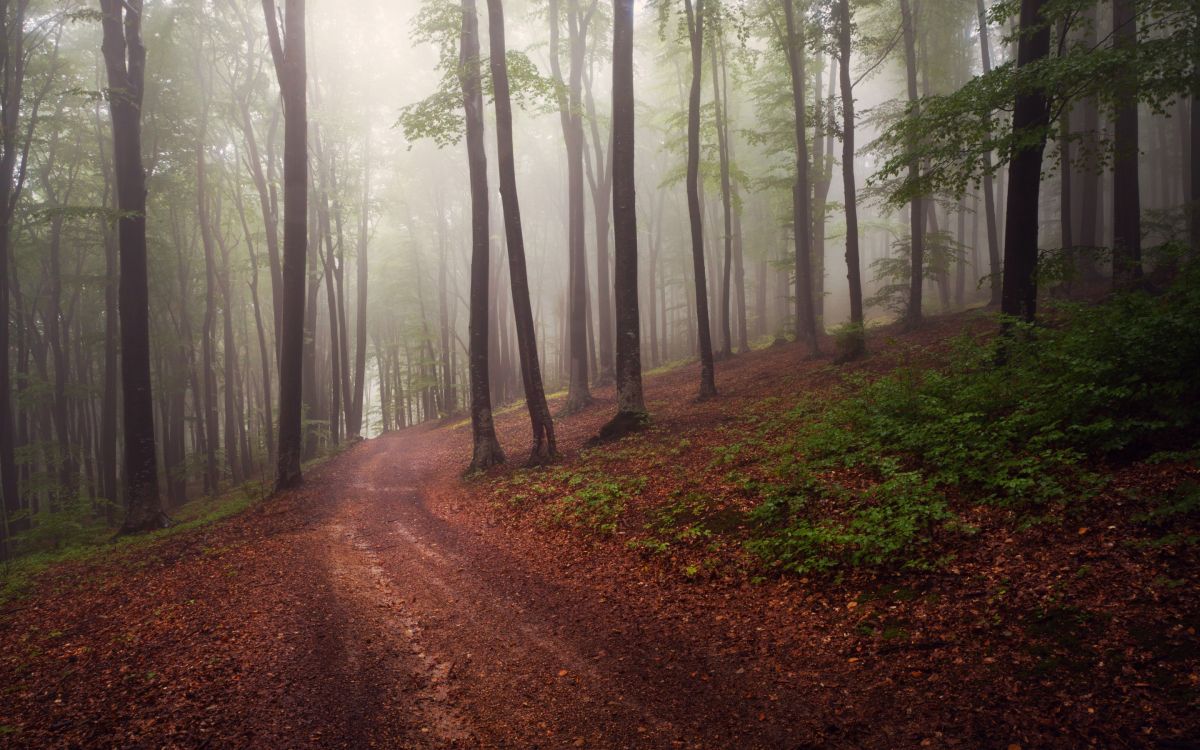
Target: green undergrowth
[(587, 497), (886, 470), (875, 474)]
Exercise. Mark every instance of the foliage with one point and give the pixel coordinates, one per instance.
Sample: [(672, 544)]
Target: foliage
[(1100, 385), (960, 136), (894, 272)]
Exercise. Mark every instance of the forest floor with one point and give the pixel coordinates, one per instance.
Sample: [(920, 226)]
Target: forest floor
[(392, 603)]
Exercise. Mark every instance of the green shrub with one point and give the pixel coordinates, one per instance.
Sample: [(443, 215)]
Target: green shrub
[(1110, 382)]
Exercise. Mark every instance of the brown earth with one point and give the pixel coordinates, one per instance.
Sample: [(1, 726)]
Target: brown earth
[(391, 603)]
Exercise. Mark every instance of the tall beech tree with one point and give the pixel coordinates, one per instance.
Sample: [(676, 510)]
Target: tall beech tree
[(125, 64), (291, 71), (486, 451), (12, 79), (806, 318), (631, 406), (916, 207), (695, 24), (1126, 195), (544, 446), (569, 94), (989, 189), (1030, 115), (853, 264)]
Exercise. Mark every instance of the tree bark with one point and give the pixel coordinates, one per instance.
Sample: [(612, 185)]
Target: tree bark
[(1030, 113), (125, 61), (695, 18), (989, 189), (806, 323), (726, 201), (917, 206), (853, 263), (354, 422), (291, 70), (544, 446), (631, 406), (486, 451), (1127, 202), (578, 391)]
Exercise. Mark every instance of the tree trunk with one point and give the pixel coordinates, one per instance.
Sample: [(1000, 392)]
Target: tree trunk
[(708, 383), (578, 392), (989, 190), (726, 202), (13, 69), (125, 61), (355, 419), (1127, 202), (853, 263), (631, 406), (544, 446), (1030, 113), (917, 206), (486, 451), (233, 415), (291, 71), (208, 375), (806, 323)]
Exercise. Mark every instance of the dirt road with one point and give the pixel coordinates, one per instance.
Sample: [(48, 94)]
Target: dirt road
[(469, 645)]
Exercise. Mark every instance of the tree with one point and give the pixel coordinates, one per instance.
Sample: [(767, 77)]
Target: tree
[(695, 22), (12, 78), (125, 63), (631, 407), (917, 205), (486, 452), (989, 190), (1127, 202), (354, 417), (569, 107), (291, 70), (544, 444), (806, 319), (1031, 114), (853, 264)]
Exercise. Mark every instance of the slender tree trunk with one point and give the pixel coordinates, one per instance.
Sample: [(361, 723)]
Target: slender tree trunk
[(578, 391), (13, 71), (544, 446), (291, 70), (263, 348), (989, 190), (229, 356), (1019, 298), (1194, 188), (853, 263), (806, 323), (1127, 202), (208, 374), (487, 451), (631, 406), (601, 184), (450, 399), (708, 383), (354, 426), (726, 202), (125, 61), (917, 206)]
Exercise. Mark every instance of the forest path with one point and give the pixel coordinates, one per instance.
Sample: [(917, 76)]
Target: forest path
[(467, 645)]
